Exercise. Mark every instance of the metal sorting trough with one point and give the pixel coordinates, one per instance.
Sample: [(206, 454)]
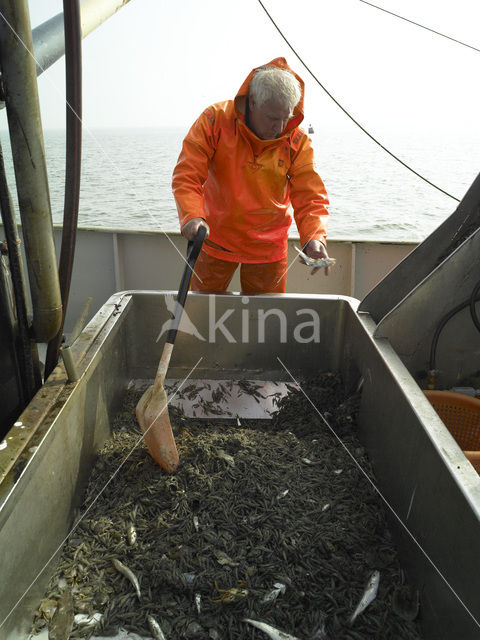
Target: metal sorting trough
[(421, 471)]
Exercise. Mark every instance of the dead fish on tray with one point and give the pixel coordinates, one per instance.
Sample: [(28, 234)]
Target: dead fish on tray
[(316, 262), (271, 632), (272, 595), (369, 595), (128, 573), (131, 534), (198, 602), (157, 633)]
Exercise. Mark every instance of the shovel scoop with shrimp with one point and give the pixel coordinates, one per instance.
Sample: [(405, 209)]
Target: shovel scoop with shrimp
[(152, 408)]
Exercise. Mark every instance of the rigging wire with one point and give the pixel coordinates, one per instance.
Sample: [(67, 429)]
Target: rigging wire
[(464, 44), (350, 116)]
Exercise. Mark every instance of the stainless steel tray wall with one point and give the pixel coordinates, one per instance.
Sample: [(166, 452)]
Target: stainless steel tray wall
[(39, 495), (230, 335), (420, 470)]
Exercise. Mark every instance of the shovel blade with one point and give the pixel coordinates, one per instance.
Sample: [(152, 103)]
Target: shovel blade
[(152, 416)]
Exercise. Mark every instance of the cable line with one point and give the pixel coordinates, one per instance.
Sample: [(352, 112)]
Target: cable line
[(464, 44), (350, 116)]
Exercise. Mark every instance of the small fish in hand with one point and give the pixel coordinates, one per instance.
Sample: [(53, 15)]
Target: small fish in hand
[(316, 262), (273, 633), (368, 596)]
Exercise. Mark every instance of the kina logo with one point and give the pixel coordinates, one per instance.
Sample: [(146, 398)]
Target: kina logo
[(186, 325)]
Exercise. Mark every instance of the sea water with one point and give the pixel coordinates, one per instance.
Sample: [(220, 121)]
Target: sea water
[(126, 179)]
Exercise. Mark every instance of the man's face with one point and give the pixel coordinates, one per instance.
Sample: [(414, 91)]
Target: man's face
[(269, 120)]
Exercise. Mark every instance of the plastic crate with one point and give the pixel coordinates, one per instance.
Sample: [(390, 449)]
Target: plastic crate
[(461, 416)]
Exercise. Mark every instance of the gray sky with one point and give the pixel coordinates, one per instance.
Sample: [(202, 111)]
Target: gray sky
[(160, 63)]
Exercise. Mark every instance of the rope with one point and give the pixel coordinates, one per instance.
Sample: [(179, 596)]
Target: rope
[(351, 117), (464, 44)]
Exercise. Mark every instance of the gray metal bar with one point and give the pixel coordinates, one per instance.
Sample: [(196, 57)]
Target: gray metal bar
[(48, 43), (24, 121), (49, 39), (426, 257), (13, 398), (19, 288)]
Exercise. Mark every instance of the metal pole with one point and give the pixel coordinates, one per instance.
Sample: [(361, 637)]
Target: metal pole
[(24, 121), (13, 398), (49, 40), (24, 355), (49, 37), (73, 82)]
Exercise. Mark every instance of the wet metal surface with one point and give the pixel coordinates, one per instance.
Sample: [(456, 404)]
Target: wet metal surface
[(224, 398)]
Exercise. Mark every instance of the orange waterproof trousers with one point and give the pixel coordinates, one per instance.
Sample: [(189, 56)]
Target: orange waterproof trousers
[(212, 275)]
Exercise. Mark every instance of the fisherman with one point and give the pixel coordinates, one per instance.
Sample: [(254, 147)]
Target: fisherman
[(242, 164)]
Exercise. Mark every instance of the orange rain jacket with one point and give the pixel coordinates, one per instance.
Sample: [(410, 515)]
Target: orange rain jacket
[(243, 185)]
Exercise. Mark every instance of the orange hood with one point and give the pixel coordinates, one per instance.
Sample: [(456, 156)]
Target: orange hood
[(242, 94)]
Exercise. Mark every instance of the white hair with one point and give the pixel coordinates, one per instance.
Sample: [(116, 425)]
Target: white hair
[(279, 84)]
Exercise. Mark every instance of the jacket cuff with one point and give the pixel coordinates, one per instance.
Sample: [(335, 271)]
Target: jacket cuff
[(186, 218), (317, 236)]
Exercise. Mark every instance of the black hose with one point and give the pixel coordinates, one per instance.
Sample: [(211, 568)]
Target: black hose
[(73, 73), (473, 311), (467, 303)]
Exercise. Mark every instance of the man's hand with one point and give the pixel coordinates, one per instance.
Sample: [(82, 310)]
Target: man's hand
[(190, 229), (316, 250)]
